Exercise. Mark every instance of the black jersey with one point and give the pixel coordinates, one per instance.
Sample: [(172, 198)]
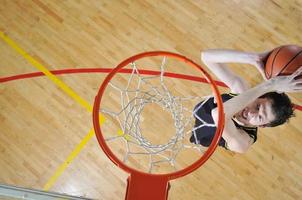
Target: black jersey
[(204, 128)]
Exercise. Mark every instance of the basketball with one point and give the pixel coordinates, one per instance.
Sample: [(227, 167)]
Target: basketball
[(283, 60)]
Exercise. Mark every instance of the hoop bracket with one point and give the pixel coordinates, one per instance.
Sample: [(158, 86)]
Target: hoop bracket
[(144, 186)]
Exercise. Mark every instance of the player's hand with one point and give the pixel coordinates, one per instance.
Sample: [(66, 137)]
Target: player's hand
[(290, 83), (259, 62)]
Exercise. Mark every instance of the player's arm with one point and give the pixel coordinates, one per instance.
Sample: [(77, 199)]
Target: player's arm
[(236, 139), (216, 60)]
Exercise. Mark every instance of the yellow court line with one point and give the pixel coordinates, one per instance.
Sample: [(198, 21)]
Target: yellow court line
[(52, 77), (69, 159), (71, 93)]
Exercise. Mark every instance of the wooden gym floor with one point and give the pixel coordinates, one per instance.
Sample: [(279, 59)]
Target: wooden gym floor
[(45, 139)]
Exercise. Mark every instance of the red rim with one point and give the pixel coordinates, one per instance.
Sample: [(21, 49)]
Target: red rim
[(130, 170)]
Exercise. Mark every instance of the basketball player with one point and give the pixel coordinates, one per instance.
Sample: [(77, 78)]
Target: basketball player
[(246, 109)]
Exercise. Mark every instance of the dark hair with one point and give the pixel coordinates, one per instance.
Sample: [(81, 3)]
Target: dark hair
[(282, 108)]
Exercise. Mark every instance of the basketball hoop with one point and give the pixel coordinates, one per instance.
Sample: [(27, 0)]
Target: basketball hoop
[(144, 184)]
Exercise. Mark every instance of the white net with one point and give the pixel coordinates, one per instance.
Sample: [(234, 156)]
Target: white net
[(150, 120)]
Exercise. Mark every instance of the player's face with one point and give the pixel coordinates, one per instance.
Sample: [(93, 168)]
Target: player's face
[(257, 113)]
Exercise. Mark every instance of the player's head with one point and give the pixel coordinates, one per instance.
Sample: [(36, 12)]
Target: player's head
[(269, 110), (281, 106)]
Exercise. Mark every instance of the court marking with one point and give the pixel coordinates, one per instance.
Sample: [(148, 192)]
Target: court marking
[(71, 93), (69, 159), (49, 75), (107, 70)]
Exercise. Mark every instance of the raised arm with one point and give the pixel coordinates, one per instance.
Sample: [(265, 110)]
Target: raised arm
[(236, 139), (216, 60)]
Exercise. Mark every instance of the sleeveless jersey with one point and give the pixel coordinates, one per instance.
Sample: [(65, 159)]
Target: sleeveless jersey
[(205, 134)]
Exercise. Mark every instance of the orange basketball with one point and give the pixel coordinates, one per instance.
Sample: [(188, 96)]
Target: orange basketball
[(283, 60)]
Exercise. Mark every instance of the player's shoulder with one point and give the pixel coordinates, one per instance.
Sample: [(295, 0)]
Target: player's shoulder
[(251, 131), (228, 96), (239, 85)]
